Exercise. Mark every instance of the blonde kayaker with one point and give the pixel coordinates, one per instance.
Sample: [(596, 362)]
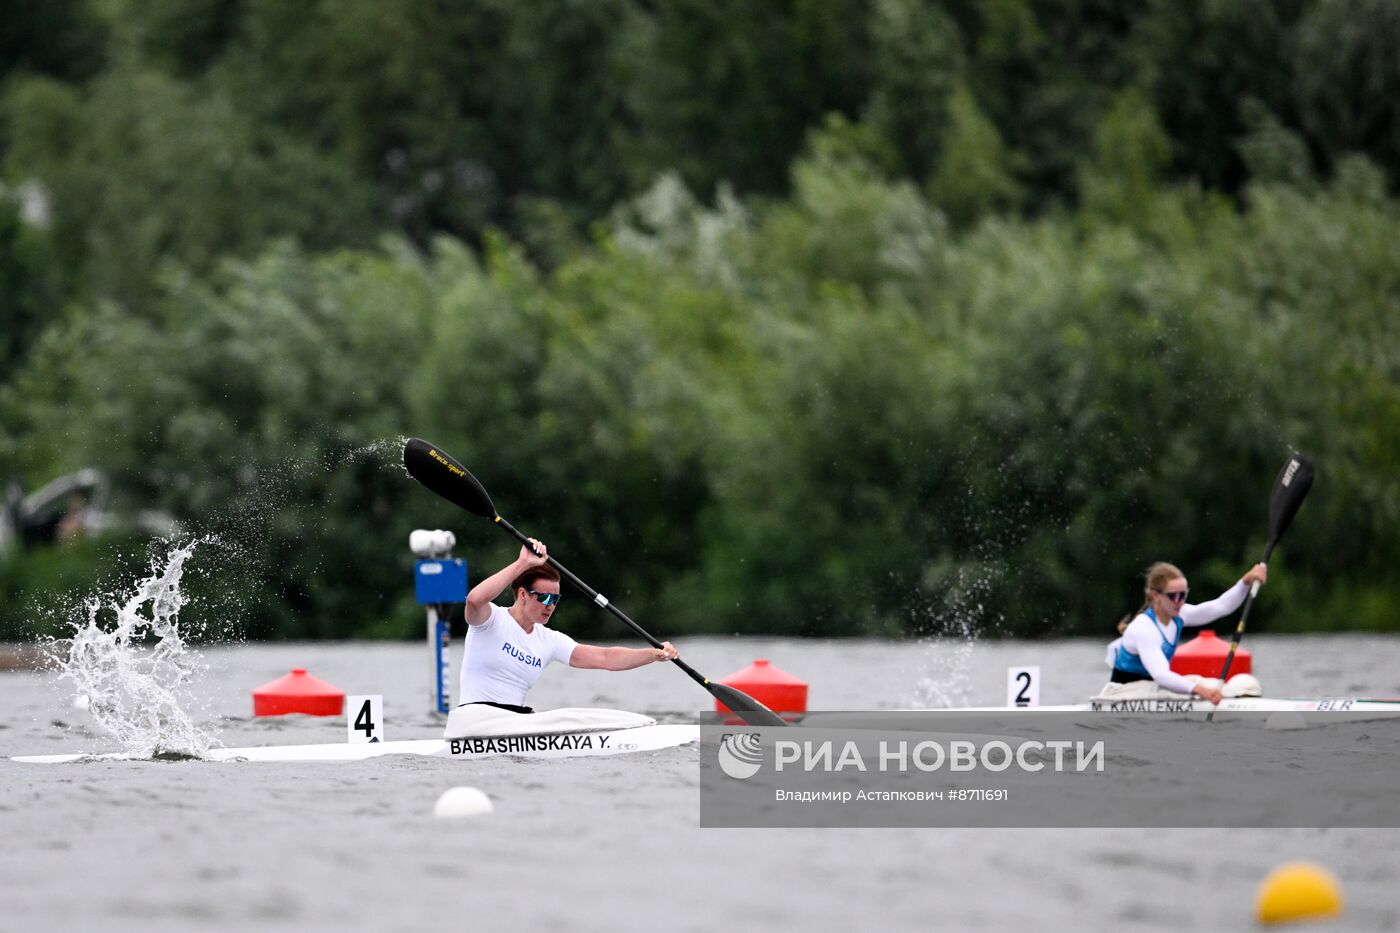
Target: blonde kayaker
[(1145, 650)]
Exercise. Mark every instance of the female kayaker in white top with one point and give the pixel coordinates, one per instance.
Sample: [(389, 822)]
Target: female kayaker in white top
[(1151, 638), (507, 649)]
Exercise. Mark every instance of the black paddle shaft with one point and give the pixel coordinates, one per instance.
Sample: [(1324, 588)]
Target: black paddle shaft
[(442, 474), (1290, 487)]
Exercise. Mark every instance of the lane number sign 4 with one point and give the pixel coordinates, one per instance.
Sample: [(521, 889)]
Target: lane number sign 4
[(364, 719)]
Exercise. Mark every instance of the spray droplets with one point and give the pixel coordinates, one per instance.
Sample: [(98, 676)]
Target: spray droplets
[(129, 658), (136, 672), (950, 634)]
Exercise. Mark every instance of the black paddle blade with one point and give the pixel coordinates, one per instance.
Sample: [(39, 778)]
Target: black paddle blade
[(1290, 488), (446, 477), (744, 706)]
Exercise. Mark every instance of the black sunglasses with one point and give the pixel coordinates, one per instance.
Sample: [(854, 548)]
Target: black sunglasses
[(1178, 597), (548, 599)]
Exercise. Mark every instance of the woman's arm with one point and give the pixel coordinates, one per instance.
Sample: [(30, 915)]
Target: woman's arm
[(1222, 605), (593, 657), (479, 599), (1147, 643), (1143, 638), (1226, 602)]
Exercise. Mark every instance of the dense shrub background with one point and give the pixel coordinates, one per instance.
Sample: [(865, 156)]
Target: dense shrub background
[(798, 318)]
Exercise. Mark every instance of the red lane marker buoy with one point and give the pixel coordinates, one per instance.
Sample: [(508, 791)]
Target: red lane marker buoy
[(298, 692), (774, 688), (1205, 655)]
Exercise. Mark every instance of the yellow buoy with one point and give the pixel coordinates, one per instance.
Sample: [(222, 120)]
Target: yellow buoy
[(1298, 891)]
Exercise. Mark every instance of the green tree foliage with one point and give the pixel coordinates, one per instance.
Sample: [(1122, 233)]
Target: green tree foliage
[(1271, 151), (975, 174), (29, 285), (1129, 157), (1060, 70), (468, 115), (918, 58), (822, 318), (220, 183), (828, 416), (180, 37), (59, 38), (1347, 94), (1208, 67), (725, 91), (455, 112)]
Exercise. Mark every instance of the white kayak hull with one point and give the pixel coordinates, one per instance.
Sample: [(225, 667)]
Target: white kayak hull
[(1379, 706), (1382, 705), (555, 745)]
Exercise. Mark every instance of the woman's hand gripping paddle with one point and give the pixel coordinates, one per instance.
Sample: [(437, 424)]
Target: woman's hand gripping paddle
[(442, 474)]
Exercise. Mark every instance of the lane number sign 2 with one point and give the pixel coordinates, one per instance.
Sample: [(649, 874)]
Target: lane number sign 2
[(364, 719), (1023, 686)]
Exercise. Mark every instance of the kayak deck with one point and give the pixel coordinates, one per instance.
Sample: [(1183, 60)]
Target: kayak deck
[(1382, 705), (555, 745)]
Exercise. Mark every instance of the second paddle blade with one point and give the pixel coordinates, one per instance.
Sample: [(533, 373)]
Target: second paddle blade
[(744, 706), (1291, 486), (438, 471)]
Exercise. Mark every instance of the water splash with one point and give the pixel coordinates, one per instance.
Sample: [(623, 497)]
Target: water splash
[(945, 680), (136, 673), (129, 661)]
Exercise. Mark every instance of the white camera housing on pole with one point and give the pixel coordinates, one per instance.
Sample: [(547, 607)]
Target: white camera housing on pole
[(431, 544)]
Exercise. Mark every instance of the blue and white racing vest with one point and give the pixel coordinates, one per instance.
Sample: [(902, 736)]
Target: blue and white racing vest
[(1125, 660)]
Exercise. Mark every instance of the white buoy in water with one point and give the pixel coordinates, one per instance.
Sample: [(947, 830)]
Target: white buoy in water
[(1285, 720), (462, 801)]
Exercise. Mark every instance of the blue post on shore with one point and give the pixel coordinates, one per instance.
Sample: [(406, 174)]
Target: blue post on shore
[(439, 582)]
